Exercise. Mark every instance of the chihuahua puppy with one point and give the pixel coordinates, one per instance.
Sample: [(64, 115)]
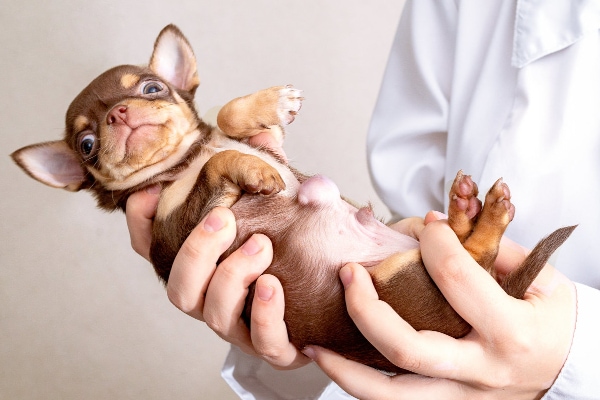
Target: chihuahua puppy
[(133, 126)]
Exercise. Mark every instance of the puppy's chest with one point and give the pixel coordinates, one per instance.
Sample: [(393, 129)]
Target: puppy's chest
[(176, 193)]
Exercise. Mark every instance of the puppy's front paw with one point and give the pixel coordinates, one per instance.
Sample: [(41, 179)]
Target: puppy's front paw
[(260, 177)]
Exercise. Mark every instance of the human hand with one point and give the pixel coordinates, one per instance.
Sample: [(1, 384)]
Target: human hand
[(515, 350), (412, 226), (217, 295)]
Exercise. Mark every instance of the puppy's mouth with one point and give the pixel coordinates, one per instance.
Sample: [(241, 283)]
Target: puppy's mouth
[(136, 138)]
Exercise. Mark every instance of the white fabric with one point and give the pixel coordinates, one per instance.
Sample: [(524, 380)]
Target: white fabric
[(497, 88), (253, 379), (452, 100), (580, 376)]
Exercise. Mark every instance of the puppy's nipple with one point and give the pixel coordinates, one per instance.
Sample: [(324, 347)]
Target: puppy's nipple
[(318, 190)]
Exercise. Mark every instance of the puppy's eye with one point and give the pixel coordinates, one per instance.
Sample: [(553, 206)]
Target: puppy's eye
[(152, 88), (88, 145)]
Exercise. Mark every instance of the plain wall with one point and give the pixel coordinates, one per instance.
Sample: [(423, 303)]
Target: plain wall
[(81, 315)]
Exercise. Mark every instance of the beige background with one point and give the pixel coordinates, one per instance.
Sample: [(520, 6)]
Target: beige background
[(81, 315)]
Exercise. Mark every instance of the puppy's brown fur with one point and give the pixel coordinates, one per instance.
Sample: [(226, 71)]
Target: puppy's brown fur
[(137, 126)]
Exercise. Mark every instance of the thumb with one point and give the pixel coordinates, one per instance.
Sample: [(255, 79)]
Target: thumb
[(139, 212)]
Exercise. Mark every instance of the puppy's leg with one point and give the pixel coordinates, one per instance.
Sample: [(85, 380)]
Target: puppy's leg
[(464, 206), (268, 110), (480, 229), (229, 173)]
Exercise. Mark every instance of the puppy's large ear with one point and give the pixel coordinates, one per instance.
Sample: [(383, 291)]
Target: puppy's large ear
[(173, 59), (52, 163)]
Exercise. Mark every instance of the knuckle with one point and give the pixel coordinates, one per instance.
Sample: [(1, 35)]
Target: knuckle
[(403, 359), (192, 249), (450, 269), (261, 322), (136, 246), (216, 325), (273, 353), (357, 309), (521, 343), (232, 270), (183, 303), (498, 379)]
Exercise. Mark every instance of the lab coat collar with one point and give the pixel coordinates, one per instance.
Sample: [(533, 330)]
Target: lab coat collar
[(543, 27)]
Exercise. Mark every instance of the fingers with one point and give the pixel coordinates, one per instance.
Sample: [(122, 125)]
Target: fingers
[(367, 383), (434, 216), (425, 352), (140, 210), (228, 289), (196, 261), (409, 226), (268, 329), (469, 289), (356, 379)]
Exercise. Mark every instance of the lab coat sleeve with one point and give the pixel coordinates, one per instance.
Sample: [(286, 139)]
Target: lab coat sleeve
[(407, 137), (579, 378), (253, 379)]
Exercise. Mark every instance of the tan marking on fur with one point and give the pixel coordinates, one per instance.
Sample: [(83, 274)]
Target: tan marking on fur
[(129, 80), (81, 122), (176, 194), (249, 115), (389, 267), (291, 183)]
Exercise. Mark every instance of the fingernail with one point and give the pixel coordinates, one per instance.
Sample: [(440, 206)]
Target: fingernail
[(154, 189), (439, 215), (309, 352), (213, 223), (264, 292), (251, 247), (346, 275)]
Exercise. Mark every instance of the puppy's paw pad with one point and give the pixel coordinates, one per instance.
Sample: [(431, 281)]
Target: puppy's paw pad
[(290, 103), (463, 196), (498, 199)]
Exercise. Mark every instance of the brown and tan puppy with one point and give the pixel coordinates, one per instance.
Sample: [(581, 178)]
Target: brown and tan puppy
[(132, 127)]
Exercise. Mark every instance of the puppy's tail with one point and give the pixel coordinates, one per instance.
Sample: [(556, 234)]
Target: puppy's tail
[(517, 282)]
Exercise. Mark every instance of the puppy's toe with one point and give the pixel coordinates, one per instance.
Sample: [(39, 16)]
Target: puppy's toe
[(264, 180), (498, 201), (290, 103)]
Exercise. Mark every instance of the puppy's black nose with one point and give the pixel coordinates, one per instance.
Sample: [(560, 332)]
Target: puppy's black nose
[(117, 115)]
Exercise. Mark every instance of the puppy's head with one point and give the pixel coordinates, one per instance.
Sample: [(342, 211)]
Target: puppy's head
[(126, 128)]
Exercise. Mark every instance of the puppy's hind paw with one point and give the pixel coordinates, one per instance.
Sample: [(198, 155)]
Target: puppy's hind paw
[(290, 102), (463, 196), (497, 202), (464, 206)]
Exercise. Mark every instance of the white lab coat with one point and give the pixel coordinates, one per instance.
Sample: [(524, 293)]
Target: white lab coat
[(498, 88)]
